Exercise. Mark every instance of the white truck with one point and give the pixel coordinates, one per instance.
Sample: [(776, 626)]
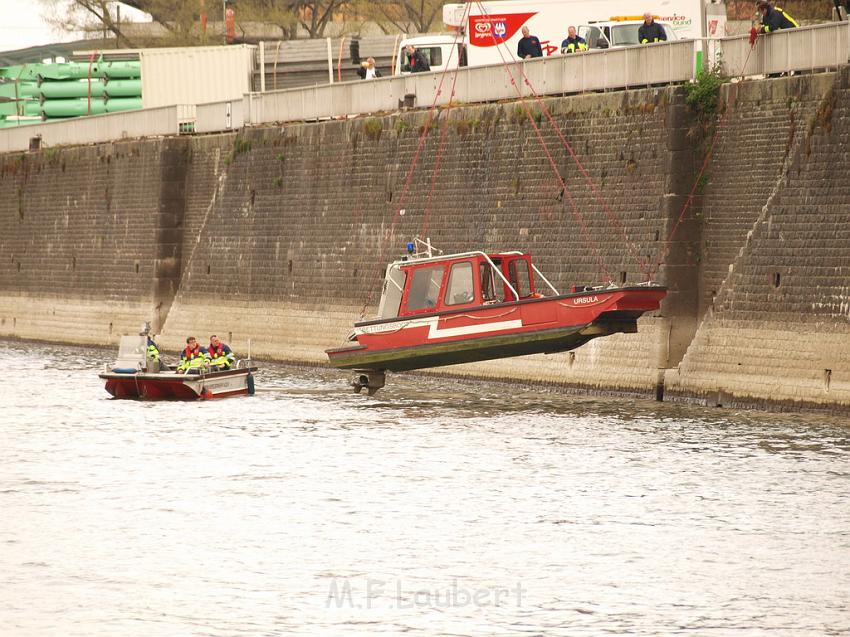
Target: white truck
[(478, 32)]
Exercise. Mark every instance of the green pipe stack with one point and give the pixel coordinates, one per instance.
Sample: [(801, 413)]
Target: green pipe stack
[(32, 93)]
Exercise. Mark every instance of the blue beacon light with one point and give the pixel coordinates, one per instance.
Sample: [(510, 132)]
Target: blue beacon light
[(410, 247)]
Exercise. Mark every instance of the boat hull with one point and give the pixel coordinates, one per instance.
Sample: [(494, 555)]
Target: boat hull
[(545, 325), (173, 386)]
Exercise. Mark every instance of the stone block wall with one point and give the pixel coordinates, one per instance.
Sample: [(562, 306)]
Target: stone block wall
[(778, 330), (279, 235), (77, 239), (758, 136)]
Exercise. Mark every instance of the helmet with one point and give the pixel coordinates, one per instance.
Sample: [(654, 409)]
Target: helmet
[(762, 4)]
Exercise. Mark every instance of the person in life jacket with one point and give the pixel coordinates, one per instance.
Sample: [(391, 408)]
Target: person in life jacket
[(194, 358), (773, 18), (573, 42), (650, 31), (221, 356), (152, 354), (153, 349)]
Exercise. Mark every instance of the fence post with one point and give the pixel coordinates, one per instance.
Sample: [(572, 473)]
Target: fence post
[(262, 67), (788, 50), (330, 62)]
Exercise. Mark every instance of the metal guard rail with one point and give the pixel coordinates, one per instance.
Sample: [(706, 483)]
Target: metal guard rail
[(812, 48), (591, 71)]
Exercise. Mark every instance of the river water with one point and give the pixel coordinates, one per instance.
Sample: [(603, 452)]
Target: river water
[(434, 508)]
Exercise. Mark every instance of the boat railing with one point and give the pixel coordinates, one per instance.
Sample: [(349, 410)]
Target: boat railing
[(501, 276), (540, 274), (474, 253)]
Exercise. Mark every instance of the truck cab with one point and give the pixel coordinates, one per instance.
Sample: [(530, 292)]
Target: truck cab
[(618, 32), (438, 50)]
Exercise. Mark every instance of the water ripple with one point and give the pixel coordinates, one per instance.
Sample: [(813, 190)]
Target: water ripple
[(436, 507)]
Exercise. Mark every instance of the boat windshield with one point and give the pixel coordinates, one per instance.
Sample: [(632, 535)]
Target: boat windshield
[(132, 352), (133, 348), (391, 297)]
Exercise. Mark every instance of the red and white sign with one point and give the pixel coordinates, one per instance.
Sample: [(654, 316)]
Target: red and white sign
[(492, 30)]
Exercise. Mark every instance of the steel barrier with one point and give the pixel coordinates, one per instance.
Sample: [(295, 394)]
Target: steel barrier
[(592, 71), (219, 116), (823, 46), (145, 122)]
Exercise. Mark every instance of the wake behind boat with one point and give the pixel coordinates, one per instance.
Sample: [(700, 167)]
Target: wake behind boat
[(136, 375), (475, 306)]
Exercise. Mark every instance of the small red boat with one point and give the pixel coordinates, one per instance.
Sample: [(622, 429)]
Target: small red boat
[(474, 306), (134, 375)]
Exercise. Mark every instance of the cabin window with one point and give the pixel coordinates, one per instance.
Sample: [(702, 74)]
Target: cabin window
[(425, 288), (491, 289), (393, 288), (625, 35), (434, 54), (519, 277), (593, 35), (461, 288)]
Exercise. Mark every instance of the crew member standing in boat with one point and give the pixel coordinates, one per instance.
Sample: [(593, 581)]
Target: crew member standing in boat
[(194, 357), (153, 355), (153, 349), (221, 356)]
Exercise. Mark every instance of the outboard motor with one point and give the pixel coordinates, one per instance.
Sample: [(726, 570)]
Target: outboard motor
[(369, 379)]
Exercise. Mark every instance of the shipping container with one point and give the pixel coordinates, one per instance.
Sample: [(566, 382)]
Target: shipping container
[(195, 75)]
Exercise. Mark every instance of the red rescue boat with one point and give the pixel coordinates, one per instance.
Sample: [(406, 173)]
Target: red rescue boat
[(169, 385), (474, 306), (135, 375)]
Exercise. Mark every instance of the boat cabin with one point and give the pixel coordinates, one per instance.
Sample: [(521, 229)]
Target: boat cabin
[(419, 285)]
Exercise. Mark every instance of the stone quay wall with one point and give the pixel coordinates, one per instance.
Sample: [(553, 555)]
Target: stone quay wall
[(279, 235), (775, 281)]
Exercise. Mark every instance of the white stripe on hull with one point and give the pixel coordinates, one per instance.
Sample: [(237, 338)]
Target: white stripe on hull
[(434, 330), (467, 330)]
